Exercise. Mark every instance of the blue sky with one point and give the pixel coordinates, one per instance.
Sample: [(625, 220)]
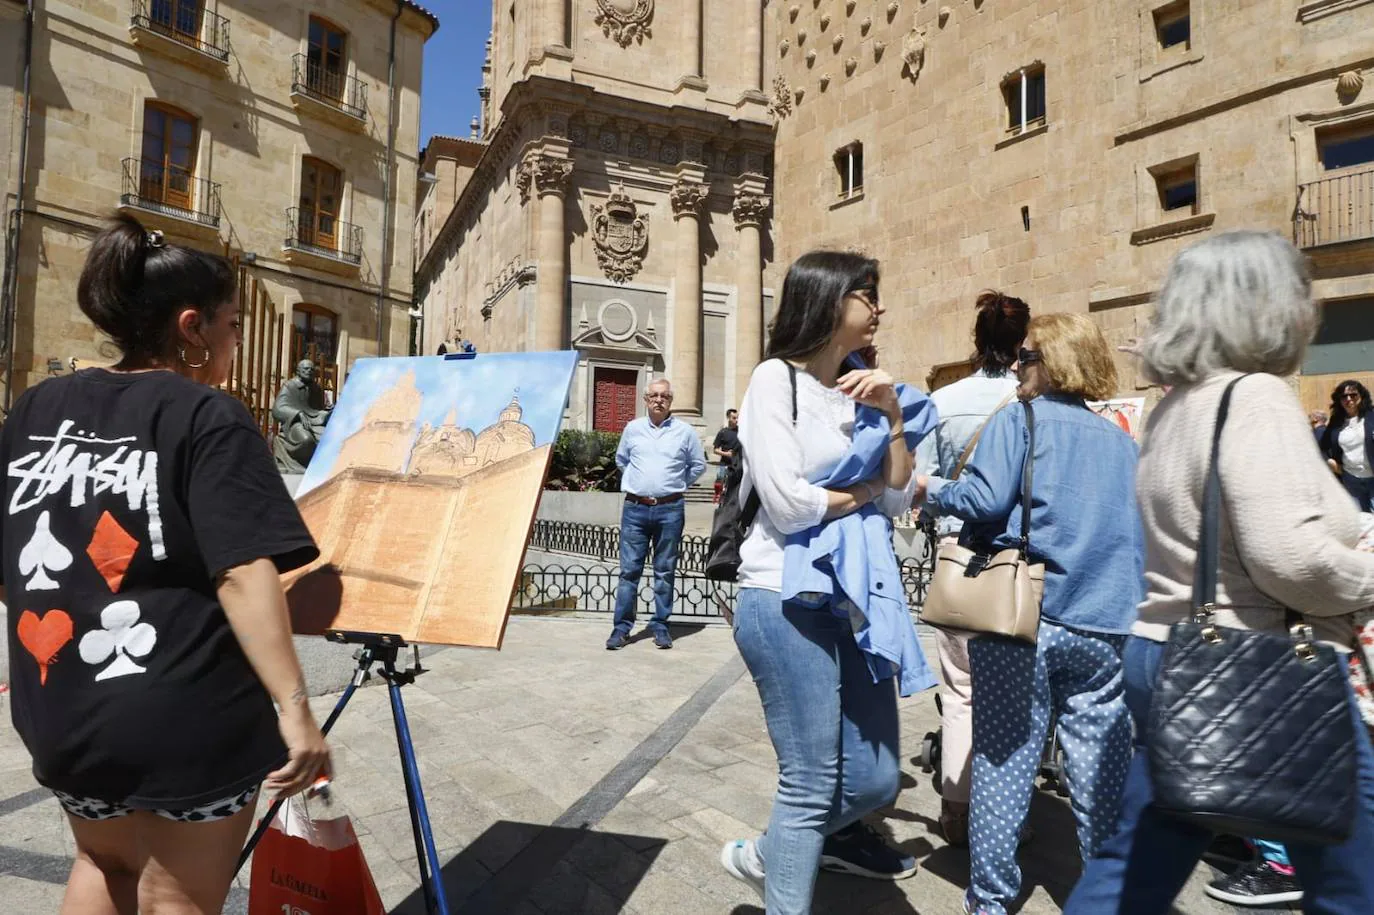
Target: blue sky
[(477, 389), (453, 66)]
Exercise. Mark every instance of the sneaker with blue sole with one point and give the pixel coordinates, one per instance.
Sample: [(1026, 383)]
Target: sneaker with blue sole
[(860, 850), (741, 861)]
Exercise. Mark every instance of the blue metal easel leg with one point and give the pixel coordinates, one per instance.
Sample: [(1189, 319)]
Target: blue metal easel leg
[(431, 876)]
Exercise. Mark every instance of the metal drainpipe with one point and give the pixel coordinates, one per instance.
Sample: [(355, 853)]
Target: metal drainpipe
[(386, 178), (11, 285)]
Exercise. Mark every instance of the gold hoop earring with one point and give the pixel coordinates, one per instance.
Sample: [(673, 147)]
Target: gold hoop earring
[(181, 352)]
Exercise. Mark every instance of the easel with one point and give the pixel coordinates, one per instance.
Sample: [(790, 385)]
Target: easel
[(382, 649)]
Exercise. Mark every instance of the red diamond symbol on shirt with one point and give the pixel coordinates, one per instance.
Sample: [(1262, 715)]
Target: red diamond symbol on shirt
[(112, 549)]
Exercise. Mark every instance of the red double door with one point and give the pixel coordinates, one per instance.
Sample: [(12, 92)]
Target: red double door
[(614, 396)]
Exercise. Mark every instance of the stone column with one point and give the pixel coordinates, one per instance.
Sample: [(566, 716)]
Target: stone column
[(687, 197), (753, 44), (556, 23), (549, 175), (691, 39), (749, 209)]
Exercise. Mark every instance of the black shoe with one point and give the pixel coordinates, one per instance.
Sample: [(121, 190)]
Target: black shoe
[(617, 641), (861, 851), (663, 639), (1255, 884)]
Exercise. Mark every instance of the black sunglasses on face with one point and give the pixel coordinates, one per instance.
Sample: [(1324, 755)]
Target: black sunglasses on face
[(1351, 395), (1028, 356), (869, 294)]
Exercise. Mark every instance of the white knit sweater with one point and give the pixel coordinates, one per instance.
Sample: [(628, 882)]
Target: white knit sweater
[(1288, 528)]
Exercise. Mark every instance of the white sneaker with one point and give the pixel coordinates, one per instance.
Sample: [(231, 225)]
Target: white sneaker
[(741, 860)]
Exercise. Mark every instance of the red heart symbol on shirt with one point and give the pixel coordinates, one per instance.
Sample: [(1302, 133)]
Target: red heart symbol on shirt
[(44, 637)]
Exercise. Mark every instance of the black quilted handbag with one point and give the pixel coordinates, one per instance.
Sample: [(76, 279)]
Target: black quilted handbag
[(1250, 733)]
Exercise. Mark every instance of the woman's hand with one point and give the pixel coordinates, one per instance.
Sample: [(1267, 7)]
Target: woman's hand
[(922, 484), (309, 755), (1335, 468), (872, 388)]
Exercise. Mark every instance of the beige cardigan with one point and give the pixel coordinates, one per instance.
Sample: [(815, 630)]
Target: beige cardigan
[(1288, 528)]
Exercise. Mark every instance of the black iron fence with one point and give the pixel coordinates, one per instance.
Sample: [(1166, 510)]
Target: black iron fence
[(320, 233), (571, 586), (329, 86), (171, 191), (185, 23)]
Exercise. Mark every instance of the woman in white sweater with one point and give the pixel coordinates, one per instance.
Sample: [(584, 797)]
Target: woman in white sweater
[(1235, 304), (833, 726)]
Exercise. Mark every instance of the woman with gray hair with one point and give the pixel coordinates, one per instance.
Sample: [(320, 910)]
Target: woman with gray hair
[(1235, 306)]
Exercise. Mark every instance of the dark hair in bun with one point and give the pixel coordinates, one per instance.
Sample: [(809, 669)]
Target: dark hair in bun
[(134, 284), (998, 331)]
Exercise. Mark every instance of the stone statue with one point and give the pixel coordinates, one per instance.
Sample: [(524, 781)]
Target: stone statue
[(302, 409)]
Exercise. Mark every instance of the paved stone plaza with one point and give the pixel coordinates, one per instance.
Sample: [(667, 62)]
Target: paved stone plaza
[(565, 779)]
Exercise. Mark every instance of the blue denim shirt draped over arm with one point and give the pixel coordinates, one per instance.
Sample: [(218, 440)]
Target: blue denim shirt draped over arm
[(1085, 524), (847, 564), (657, 461)]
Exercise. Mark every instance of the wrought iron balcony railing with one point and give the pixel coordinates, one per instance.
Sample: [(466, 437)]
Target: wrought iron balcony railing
[(171, 191), (321, 234), (1334, 210), (187, 23), (328, 86)]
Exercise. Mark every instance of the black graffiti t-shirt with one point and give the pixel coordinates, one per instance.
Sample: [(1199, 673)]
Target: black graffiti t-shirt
[(125, 495)]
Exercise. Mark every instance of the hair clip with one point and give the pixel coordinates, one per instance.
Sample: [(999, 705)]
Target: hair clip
[(155, 239)]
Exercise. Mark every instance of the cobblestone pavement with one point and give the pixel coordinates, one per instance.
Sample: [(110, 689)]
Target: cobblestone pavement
[(565, 779)]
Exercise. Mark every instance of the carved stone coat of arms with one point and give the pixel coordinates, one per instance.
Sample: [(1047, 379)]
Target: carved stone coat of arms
[(621, 236)]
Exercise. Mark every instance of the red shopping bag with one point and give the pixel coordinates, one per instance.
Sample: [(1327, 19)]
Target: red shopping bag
[(308, 865)]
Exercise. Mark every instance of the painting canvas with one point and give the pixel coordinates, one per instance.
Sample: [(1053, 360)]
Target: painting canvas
[(1126, 412), (422, 492)]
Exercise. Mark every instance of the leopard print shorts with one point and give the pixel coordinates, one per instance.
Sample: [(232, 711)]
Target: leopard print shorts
[(87, 808)]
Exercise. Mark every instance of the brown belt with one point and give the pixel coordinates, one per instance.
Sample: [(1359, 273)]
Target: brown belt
[(661, 500)]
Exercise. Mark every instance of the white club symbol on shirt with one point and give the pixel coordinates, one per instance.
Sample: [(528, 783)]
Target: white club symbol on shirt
[(123, 638)]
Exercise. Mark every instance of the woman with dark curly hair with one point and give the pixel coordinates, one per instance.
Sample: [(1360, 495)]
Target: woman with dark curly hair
[(1348, 442)]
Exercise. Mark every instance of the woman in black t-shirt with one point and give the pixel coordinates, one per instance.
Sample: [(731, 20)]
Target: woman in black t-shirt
[(145, 528)]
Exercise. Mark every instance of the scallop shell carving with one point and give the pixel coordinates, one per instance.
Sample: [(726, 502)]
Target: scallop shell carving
[(783, 46), (836, 42), (849, 7), (850, 65), (799, 94), (811, 57), (878, 48), (793, 12), (825, 81), (865, 25), (801, 36), (945, 13), (892, 9), (825, 21), (1349, 84)]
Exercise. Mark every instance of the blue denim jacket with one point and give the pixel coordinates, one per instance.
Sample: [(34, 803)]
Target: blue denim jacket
[(1085, 525), (847, 565)]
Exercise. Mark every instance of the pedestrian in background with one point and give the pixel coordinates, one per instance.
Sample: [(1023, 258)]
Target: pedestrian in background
[(148, 631), (1085, 529), (833, 726), (1348, 441), (725, 446), (1237, 303), (659, 457), (964, 408)]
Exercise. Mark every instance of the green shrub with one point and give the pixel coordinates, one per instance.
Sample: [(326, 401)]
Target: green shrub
[(584, 462)]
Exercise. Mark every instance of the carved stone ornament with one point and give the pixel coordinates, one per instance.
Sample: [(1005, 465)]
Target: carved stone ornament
[(783, 46), (836, 42), (914, 52), (850, 65), (825, 21), (793, 11), (849, 7), (811, 57), (621, 236), (546, 174), (687, 198), (800, 94), (878, 48), (892, 9), (1349, 84), (625, 21), (801, 36), (780, 105), (639, 146), (825, 81), (749, 209), (865, 25), (945, 13)]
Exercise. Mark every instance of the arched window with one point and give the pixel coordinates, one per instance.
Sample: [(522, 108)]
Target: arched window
[(315, 336), (170, 137)]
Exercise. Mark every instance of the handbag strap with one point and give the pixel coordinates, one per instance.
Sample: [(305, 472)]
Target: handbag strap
[(1209, 539), (973, 442), (752, 502), (1027, 473)]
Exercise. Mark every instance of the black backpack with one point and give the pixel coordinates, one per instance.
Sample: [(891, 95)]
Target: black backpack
[(732, 521)]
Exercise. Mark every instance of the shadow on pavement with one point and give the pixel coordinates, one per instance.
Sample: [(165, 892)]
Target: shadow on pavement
[(678, 631), (553, 869)]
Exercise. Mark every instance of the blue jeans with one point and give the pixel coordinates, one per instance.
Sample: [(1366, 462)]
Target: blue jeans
[(835, 732), (1361, 489), (1143, 867), (641, 525), (1075, 675)]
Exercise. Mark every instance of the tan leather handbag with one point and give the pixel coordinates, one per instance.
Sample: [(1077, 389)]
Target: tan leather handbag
[(990, 593)]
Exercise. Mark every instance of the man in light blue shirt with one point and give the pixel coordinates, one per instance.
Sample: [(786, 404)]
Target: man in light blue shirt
[(658, 457)]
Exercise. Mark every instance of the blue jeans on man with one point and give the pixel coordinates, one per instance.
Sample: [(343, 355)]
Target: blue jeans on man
[(640, 527), (1141, 869), (1361, 489)]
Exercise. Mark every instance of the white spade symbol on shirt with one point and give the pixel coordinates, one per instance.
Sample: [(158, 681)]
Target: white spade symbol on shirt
[(122, 637), (43, 554)]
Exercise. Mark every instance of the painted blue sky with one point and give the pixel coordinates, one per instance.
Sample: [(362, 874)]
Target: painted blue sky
[(453, 66), (477, 389)]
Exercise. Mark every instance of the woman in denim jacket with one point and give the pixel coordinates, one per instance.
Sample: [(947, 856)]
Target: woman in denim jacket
[(1086, 530)]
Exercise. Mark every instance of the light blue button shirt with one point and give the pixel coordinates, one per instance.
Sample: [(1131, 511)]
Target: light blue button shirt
[(658, 461)]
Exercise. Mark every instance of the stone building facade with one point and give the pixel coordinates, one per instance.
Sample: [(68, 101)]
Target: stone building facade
[(1066, 151), (258, 129), (619, 202)]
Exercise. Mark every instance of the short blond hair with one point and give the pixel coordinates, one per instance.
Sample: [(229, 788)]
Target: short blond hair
[(1075, 355)]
